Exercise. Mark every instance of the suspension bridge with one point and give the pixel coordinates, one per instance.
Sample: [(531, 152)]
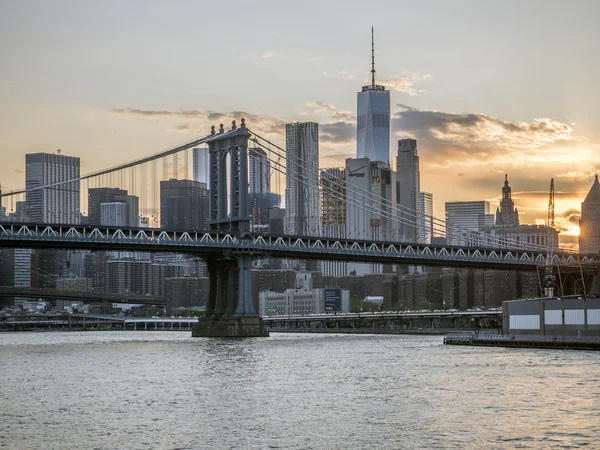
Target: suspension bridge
[(232, 237)]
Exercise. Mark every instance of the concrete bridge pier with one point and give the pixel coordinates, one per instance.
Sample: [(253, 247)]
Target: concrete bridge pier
[(230, 312)]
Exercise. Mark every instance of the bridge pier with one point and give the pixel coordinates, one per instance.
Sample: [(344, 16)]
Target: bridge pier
[(229, 312)]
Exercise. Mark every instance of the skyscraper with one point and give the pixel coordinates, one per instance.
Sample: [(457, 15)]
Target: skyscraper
[(58, 203), (409, 187), (97, 196), (465, 219), (426, 217), (302, 207), (333, 202), (589, 224), (260, 171), (183, 205), (373, 119), (201, 165), (507, 215), (113, 214)]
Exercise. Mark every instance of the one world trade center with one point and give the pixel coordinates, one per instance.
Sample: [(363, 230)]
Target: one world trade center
[(373, 113)]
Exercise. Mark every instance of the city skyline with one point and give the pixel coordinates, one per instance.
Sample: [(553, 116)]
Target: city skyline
[(478, 105)]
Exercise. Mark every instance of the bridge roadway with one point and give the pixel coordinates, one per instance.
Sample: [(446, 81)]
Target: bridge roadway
[(83, 296), (298, 247)]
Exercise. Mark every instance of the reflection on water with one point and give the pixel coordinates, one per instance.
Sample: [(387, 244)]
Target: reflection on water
[(167, 390)]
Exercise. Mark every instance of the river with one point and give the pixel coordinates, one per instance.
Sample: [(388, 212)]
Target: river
[(166, 390)]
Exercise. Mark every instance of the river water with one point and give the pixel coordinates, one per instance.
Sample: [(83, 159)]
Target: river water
[(165, 390)]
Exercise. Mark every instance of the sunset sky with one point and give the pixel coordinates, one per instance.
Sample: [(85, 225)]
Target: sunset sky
[(486, 87)]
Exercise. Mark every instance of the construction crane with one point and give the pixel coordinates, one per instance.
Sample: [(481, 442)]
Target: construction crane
[(549, 275)]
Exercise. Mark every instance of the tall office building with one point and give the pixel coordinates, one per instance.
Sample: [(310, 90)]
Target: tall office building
[(333, 215), (373, 119), (507, 215), (97, 196), (426, 217), (58, 203), (409, 187), (371, 206), (2, 208), (260, 197), (302, 207), (465, 219), (113, 214), (132, 214), (333, 202), (201, 165), (183, 205), (589, 224), (260, 171)]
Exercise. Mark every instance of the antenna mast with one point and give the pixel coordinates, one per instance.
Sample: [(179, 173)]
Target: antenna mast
[(372, 57)]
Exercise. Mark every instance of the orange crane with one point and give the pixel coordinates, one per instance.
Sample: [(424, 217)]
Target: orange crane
[(549, 278)]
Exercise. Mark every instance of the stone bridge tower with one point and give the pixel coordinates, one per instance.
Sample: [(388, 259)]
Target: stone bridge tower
[(230, 312)]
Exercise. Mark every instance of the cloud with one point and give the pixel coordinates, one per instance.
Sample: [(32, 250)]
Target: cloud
[(342, 75), (187, 114), (474, 138), (345, 116), (320, 107), (204, 119), (269, 55), (338, 133), (406, 83)]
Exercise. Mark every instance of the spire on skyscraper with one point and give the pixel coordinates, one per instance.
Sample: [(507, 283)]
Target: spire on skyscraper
[(372, 57)]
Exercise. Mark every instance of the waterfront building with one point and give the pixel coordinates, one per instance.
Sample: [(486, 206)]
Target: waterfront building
[(97, 196), (303, 209), (409, 187), (183, 205), (373, 119), (589, 224), (15, 267), (303, 299), (201, 164), (58, 203), (426, 217), (464, 220), (507, 215), (129, 276), (186, 292)]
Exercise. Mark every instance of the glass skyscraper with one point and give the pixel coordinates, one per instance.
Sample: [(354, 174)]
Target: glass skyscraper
[(373, 119)]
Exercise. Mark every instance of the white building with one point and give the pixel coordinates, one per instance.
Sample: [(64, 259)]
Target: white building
[(303, 300), (409, 187), (302, 205), (59, 203), (464, 220), (113, 214), (201, 165), (426, 217), (373, 120)]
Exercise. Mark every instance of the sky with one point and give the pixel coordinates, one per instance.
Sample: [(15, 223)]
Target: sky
[(486, 87)]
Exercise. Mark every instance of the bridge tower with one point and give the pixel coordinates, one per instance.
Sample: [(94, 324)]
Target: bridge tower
[(230, 312)]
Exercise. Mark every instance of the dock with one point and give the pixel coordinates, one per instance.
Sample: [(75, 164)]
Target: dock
[(523, 341)]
